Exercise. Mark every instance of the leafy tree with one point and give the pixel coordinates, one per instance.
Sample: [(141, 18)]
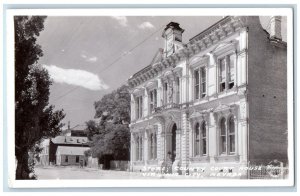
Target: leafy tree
[(111, 136), (35, 118)]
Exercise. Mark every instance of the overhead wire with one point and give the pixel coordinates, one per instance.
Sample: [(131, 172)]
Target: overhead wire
[(114, 62)]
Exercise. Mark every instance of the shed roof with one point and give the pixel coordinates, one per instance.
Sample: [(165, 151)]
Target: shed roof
[(70, 150), (69, 140)]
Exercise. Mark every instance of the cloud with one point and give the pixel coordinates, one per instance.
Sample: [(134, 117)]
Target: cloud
[(91, 59), (76, 77), (146, 25), (126, 53), (122, 20)]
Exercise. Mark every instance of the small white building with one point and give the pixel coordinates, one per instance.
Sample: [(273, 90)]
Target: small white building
[(69, 155)]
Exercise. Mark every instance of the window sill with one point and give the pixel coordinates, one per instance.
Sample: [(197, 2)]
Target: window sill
[(203, 159), (227, 91), (227, 158), (138, 162), (152, 162)]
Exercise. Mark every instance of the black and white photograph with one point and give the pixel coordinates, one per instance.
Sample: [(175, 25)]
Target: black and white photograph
[(151, 98)]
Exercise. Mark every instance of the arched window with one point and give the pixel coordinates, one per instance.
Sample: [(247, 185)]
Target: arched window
[(203, 139), (200, 139), (231, 135), (227, 136), (137, 150), (153, 146), (197, 140), (141, 149), (223, 136)]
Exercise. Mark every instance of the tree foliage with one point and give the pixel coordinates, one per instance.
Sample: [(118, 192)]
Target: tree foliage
[(35, 118), (111, 135)]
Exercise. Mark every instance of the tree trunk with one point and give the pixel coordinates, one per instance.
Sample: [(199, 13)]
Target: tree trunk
[(22, 171)]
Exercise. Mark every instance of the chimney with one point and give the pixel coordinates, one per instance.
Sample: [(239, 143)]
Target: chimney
[(275, 27)]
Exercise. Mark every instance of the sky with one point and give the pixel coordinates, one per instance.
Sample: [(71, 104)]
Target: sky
[(88, 57)]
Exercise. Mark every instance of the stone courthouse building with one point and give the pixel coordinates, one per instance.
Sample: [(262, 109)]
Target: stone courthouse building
[(219, 100)]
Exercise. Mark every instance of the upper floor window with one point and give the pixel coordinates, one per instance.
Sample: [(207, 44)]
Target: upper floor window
[(200, 140), (200, 83), (165, 92), (152, 100), (227, 136), (139, 107), (226, 72)]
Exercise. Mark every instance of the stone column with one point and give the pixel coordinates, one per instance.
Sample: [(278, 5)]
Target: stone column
[(212, 138), (178, 144), (146, 149), (185, 141), (243, 135)]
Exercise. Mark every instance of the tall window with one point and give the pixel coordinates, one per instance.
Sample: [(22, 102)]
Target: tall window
[(203, 139), (153, 144), (139, 107), (226, 72), (152, 100), (222, 76), (203, 82), (223, 136), (66, 158), (200, 83), (227, 136), (231, 135), (200, 140), (139, 148), (197, 80), (165, 93), (197, 140), (177, 90), (77, 159), (231, 71)]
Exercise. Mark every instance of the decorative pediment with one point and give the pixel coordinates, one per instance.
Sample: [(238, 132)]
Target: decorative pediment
[(223, 47), (138, 91), (151, 84), (224, 110), (199, 60), (199, 116)]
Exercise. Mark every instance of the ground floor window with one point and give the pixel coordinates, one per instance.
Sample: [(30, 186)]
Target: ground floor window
[(153, 146), (139, 148), (227, 136), (77, 159), (200, 139), (66, 158)]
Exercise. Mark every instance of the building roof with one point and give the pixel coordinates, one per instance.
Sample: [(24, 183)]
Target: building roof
[(79, 128), (69, 140), (70, 150)]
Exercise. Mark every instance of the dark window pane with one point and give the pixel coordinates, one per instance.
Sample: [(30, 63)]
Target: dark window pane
[(204, 146), (232, 143), (223, 144), (231, 125), (223, 128)]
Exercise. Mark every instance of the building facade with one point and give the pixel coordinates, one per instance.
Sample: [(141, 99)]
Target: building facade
[(218, 101), (70, 155)]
